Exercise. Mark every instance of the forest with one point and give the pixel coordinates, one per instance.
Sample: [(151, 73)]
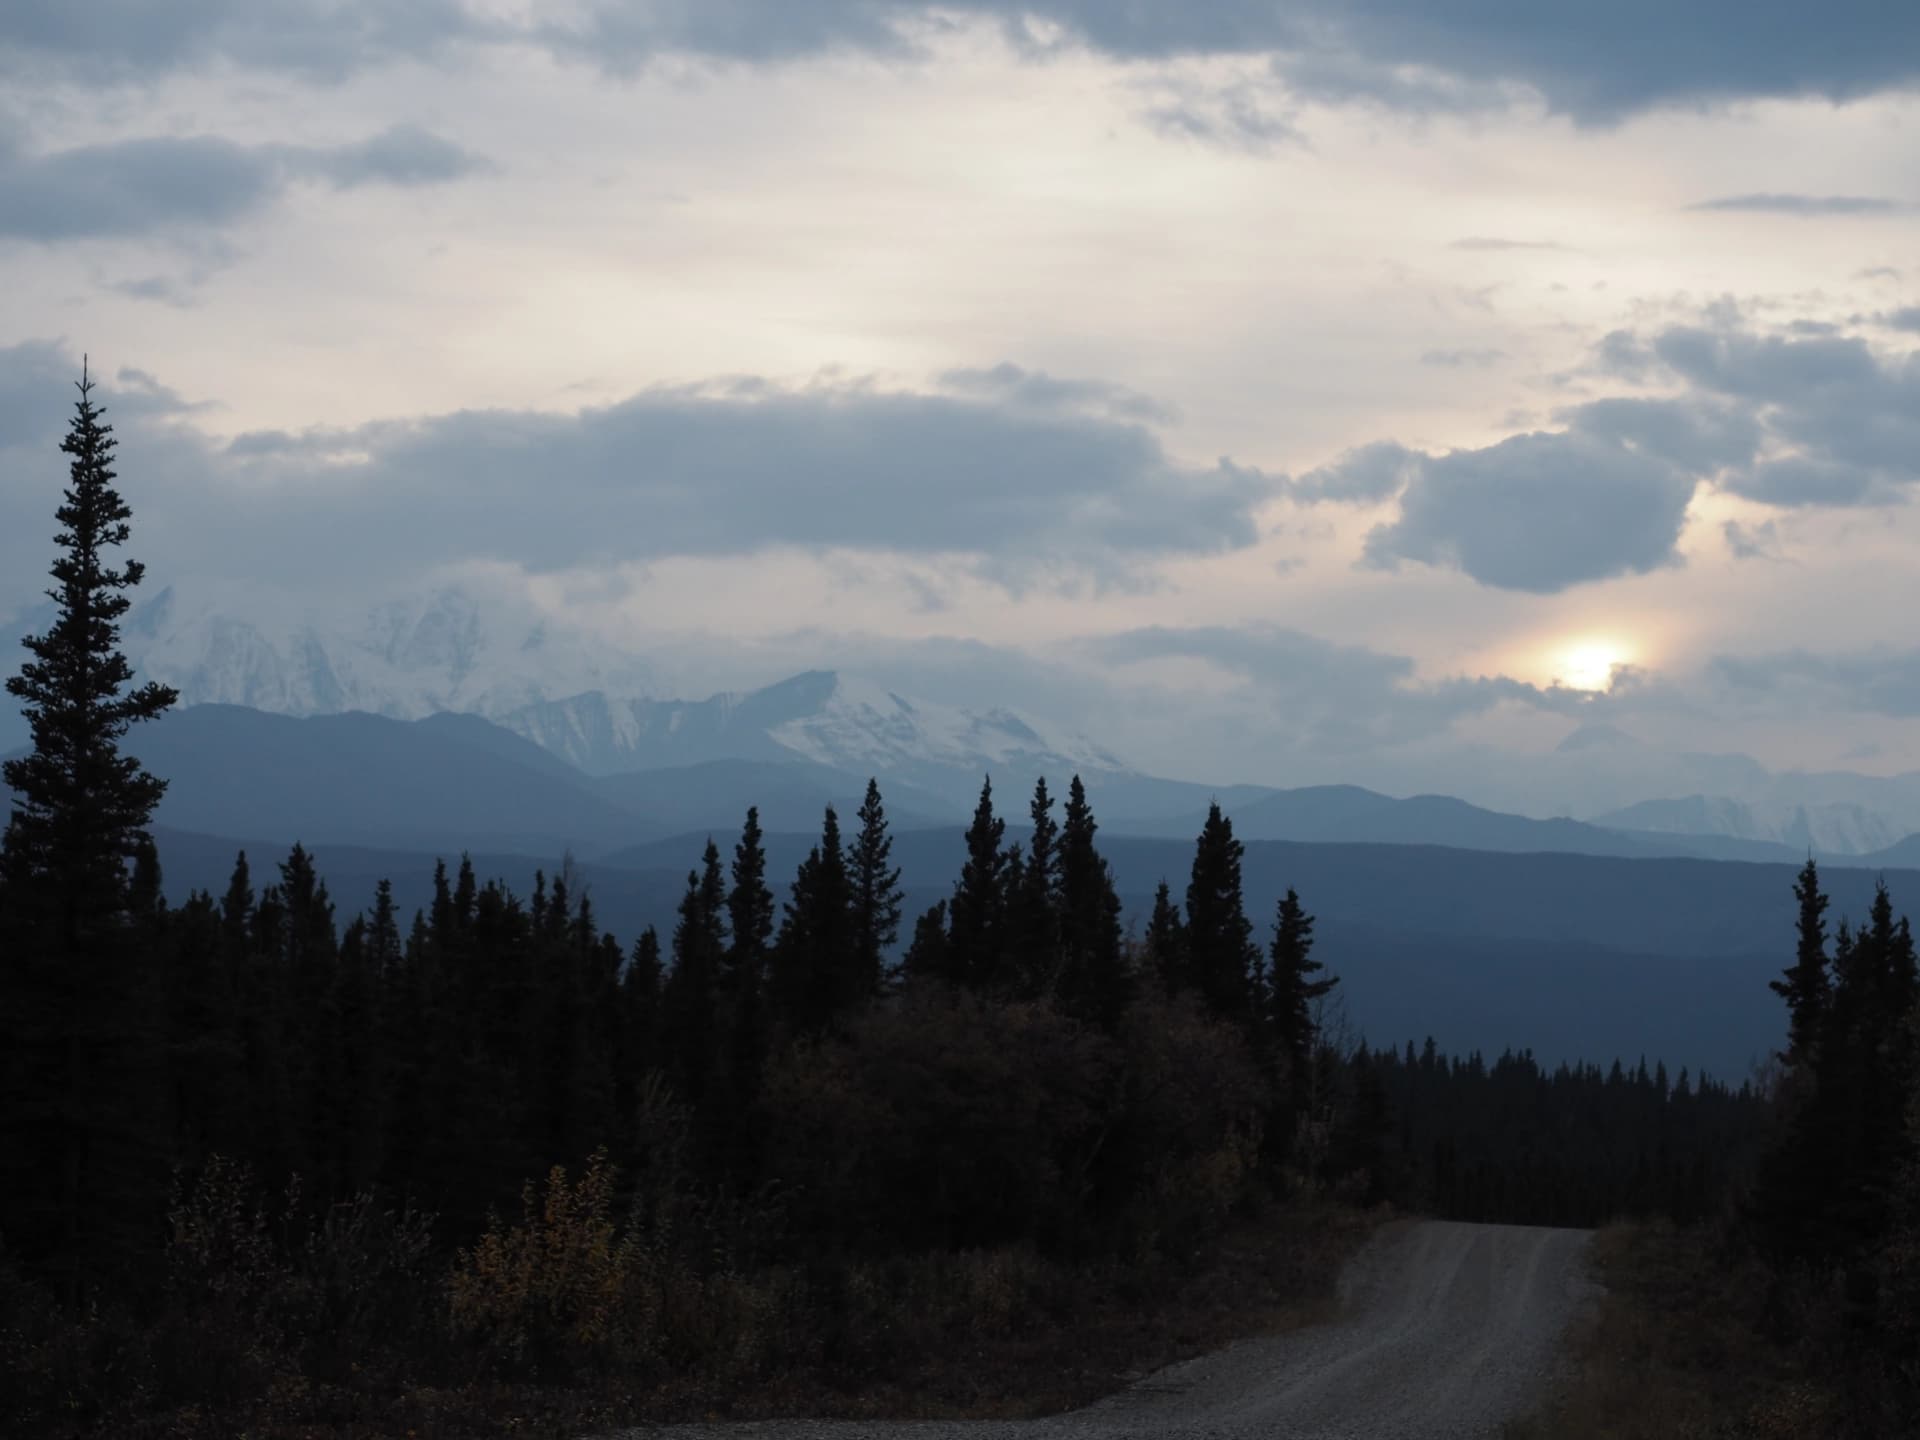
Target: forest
[(283, 1161)]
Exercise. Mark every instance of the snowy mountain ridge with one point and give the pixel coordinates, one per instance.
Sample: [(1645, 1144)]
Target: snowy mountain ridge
[(567, 690)]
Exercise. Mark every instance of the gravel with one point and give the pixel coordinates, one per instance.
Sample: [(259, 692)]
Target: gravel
[(1445, 1330)]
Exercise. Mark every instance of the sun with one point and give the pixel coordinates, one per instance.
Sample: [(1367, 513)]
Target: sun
[(1589, 665)]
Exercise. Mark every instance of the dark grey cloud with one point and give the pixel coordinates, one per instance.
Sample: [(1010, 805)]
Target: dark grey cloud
[(1842, 422), (320, 39), (718, 470), (137, 187), (1038, 390), (1907, 317), (1597, 63), (1806, 205), (1769, 368), (1369, 475), (1808, 418), (402, 155), (1876, 682), (1538, 513), (1695, 437)]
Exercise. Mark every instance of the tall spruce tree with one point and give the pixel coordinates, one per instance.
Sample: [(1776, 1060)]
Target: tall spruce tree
[(1805, 985), (817, 975), (81, 1018), (1166, 941), (690, 999), (1095, 983), (1034, 905), (1221, 960), (875, 892), (977, 915), (750, 912), (1293, 990)]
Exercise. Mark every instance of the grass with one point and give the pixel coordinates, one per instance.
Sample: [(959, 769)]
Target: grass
[(988, 1335), (1672, 1350)]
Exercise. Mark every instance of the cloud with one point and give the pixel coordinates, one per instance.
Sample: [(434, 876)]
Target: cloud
[(1037, 390), (1696, 437), (1806, 205), (1538, 513), (726, 469), (321, 39), (1326, 696), (1874, 682), (1369, 475), (1240, 116), (1597, 63), (1907, 317), (404, 155), (1462, 359), (1752, 542), (138, 187)]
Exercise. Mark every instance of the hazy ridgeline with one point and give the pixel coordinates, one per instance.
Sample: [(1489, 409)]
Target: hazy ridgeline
[(267, 1159)]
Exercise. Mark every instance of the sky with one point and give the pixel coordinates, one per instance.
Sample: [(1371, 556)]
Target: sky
[(1281, 392)]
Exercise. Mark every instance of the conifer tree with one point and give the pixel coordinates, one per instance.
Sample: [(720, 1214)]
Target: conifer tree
[(1034, 912), (875, 885), (1095, 983), (81, 1022), (1221, 959), (817, 974), (1293, 989), (1805, 986), (750, 911), (977, 916), (1166, 941), (749, 903), (927, 958), (690, 997)]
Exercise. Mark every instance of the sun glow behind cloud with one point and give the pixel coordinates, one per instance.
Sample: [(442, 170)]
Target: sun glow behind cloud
[(1589, 664)]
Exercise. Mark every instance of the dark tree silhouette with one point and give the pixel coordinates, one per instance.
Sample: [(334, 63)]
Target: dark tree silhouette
[(1221, 960), (80, 1011), (1095, 983), (1805, 985), (875, 885), (977, 916)]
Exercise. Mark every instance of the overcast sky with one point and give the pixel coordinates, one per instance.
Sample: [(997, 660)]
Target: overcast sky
[(1312, 386)]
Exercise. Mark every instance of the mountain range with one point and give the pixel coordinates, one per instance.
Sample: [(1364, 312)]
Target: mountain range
[(596, 708)]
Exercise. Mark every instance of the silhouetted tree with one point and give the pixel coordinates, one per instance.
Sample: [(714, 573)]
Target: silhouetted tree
[(1221, 959), (1165, 943), (1805, 986), (1292, 992), (1095, 983), (690, 998), (817, 972), (874, 881), (81, 1013), (977, 916)]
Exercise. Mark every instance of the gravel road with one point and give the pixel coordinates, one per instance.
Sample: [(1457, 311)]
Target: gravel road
[(1445, 1330)]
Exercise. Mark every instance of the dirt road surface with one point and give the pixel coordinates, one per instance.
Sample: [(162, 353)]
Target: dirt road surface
[(1444, 1330)]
